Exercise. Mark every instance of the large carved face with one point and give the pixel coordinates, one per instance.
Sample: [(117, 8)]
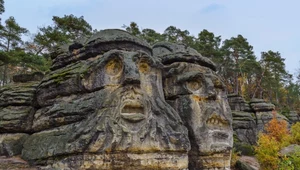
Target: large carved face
[(199, 96), (108, 106), (130, 80)]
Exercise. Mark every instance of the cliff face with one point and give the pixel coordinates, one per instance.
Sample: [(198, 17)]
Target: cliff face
[(112, 102)]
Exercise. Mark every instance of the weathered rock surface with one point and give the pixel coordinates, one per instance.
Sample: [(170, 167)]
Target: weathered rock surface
[(250, 119), (289, 150), (264, 113), (16, 107), (244, 127), (237, 103), (14, 163), (16, 114), (259, 105), (247, 163), (293, 117), (22, 78), (12, 144)]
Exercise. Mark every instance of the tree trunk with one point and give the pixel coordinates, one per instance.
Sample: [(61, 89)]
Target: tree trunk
[(236, 89), (5, 75)]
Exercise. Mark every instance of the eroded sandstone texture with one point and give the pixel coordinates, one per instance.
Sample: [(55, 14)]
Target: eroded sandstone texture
[(103, 106), (250, 118), (193, 88)]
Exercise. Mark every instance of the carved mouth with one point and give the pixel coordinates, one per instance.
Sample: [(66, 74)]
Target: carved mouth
[(216, 120), (133, 111)]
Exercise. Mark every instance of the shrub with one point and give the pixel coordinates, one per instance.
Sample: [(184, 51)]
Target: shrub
[(267, 152), (245, 149), (295, 132), (278, 130), (286, 164), (295, 158), (291, 162), (269, 144)]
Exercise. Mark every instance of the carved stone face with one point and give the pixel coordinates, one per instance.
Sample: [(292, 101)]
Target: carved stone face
[(130, 79), (108, 108), (199, 96)]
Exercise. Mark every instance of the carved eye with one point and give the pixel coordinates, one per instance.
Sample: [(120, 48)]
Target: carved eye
[(114, 67), (193, 85), (144, 66)]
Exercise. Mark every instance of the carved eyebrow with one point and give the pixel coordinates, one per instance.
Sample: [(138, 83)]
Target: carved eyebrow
[(189, 76), (141, 55), (111, 55), (218, 83), (153, 62)]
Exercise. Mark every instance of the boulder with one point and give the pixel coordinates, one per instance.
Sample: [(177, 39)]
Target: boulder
[(22, 78), (287, 151)]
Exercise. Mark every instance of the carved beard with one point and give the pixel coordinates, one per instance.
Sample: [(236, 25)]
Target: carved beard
[(123, 127)]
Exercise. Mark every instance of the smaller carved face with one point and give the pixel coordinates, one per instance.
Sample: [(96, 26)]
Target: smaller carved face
[(198, 95), (132, 79)]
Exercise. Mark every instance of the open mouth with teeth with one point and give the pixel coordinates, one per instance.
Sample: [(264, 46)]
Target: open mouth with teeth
[(217, 121), (133, 111)]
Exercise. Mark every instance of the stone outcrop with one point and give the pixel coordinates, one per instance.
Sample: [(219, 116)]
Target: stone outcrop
[(289, 150), (238, 103), (198, 94), (264, 113), (250, 118), (111, 101), (293, 117), (244, 120), (16, 115), (22, 78)]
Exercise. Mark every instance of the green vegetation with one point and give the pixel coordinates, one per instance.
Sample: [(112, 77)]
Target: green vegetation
[(276, 137), (19, 56)]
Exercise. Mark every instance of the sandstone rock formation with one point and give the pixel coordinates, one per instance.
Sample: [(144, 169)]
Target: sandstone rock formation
[(244, 120), (193, 88), (293, 117), (250, 118), (16, 113), (103, 106)]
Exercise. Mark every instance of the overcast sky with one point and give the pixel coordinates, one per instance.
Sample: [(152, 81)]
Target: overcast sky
[(267, 24)]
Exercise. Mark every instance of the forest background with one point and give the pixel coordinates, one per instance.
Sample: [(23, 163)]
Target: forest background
[(244, 72)]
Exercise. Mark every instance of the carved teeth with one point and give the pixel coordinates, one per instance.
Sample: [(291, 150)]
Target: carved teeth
[(132, 111), (217, 120)]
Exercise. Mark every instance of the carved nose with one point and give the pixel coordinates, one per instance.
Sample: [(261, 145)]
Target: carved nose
[(211, 93), (131, 75)]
